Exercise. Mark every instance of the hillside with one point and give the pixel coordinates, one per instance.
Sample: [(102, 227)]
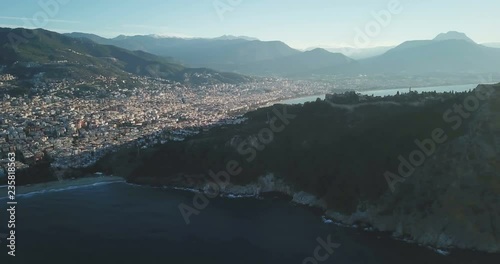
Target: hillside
[(447, 53), (242, 55), (357, 53), (302, 64), (218, 53), (336, 156), (61, 56)]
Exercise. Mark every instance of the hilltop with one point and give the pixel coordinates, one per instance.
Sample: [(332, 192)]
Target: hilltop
[(453, 35)]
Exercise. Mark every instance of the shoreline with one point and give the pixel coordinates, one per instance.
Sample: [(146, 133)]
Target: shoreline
[(369, 90), (60, 185), (316, 209), (285, 100), (312, 208)]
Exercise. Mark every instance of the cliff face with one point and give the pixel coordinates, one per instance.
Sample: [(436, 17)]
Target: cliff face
[(361, 164), (453, 199)]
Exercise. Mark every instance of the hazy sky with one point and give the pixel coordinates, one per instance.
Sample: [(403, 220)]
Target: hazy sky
[(299, 23)]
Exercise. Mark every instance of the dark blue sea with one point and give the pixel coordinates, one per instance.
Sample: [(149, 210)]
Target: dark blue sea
[(121, 223)]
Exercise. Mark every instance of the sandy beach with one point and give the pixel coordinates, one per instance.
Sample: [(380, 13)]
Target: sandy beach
[(60, 185)]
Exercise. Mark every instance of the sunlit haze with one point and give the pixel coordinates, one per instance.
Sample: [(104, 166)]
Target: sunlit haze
[(300, 24)]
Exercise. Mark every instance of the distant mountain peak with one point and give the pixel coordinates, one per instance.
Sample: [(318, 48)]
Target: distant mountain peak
[(120, 37), (453, 35), (163, 36), (318, 50), (231, 37)]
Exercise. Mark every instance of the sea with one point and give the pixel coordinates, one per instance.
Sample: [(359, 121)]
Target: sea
[(123, 223), (387, 92)]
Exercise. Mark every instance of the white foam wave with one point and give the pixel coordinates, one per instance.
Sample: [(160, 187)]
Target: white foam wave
[(194, 190), (441, 252), (68, 188), (326, 220), (238, 196), (437, 250), (330, 221)]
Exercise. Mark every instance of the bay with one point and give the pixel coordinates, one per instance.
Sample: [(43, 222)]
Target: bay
[(122, 223)]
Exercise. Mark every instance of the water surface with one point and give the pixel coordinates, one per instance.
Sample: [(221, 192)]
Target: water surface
[(121, 223), (387, 92)]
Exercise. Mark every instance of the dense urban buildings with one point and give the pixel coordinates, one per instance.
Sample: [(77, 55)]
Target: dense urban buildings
[(74, 131)]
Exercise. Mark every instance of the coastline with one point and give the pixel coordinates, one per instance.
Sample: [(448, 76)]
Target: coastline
[(276, 190), (303, 199), (291, 100), (299, 99), (60, 185), (368, 220)]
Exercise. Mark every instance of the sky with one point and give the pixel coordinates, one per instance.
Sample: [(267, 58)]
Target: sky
[(299, 23)]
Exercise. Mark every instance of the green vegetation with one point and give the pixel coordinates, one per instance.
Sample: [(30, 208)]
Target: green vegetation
[(335, 153)]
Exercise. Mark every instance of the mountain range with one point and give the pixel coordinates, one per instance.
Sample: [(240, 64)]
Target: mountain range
[(64, 56), (356, 53), (174, 58), (451, 52), (242, 55)]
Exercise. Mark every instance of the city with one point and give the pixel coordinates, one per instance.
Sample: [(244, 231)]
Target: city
[(76, 132)]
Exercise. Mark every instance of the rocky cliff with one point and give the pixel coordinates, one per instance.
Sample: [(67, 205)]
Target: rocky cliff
[(453, 199)]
